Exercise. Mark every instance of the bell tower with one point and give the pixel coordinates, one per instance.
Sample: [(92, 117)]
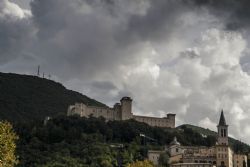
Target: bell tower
[(222, 130)]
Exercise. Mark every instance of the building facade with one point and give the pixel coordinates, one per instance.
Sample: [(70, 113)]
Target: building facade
[(220, 155), (120, 111)]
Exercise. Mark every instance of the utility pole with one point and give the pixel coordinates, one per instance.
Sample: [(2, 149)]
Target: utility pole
[(43, 74), (144, 142), (38, 71), (119, 155)]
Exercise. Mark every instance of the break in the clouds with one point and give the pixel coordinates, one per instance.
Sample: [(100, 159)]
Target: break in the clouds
[(186, 57)]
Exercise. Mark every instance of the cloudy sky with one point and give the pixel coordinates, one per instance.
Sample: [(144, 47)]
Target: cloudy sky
[(189, 57)]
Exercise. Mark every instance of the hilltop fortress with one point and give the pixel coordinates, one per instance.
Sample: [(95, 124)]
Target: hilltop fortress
[(120, 111)]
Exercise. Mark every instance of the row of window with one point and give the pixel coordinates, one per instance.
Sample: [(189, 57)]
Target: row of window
[(222, 149), (152, 120), (202, 161), (222, 155)]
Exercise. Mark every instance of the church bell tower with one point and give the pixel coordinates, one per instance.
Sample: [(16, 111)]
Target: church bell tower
[(222, 130)]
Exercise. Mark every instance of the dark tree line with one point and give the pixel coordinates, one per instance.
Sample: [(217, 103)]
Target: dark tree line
[(75, 141)]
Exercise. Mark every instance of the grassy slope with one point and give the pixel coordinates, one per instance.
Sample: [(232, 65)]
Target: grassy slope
[(25, 97)]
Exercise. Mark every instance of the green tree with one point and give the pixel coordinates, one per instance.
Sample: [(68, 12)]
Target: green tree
[(164, 160), (7, 145)]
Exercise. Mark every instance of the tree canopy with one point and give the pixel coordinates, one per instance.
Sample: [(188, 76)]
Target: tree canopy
[(7, 145), (75, 141)]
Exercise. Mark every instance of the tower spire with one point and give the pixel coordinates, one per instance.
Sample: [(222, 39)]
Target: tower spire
[(222, 121)]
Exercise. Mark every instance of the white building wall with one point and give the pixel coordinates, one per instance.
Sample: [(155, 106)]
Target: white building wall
[(154, 156), (238, 160)]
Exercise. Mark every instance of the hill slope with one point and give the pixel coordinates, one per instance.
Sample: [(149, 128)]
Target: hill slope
[(236, 144), (25, 97)]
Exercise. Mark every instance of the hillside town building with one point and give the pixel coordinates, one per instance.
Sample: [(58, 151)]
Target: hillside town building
[(220, 155), (120, 111)]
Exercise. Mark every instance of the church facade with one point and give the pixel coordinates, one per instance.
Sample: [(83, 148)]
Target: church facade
[(220, 155), (120, 111)]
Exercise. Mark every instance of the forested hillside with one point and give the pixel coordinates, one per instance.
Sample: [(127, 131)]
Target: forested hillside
[(25, 98), (75, 141)]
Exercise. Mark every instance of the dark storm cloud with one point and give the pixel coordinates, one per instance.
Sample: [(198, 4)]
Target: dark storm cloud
[(15, 32), (103, 85), (84, 33), (160, 18), (236, 12)]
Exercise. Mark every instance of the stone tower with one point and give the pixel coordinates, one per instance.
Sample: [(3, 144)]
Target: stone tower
[(171, 120), (222, 130), (126, 108)]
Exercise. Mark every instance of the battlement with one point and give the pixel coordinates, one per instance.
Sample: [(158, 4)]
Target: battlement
[(126, 98)]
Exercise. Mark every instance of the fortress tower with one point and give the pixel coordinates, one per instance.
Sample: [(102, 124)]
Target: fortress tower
[(171, 120), (126, 108)]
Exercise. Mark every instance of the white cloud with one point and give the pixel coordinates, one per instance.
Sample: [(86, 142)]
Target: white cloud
[(207, 123), (9, 9)]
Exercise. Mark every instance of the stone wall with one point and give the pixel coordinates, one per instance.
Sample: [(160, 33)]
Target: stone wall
[(154, 121)]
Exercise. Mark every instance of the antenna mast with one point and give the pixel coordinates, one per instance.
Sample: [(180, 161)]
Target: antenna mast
[(38, 71)]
